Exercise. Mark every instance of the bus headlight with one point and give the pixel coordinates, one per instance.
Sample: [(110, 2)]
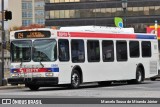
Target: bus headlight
[(14, 75), (49, 74), (15, 71)]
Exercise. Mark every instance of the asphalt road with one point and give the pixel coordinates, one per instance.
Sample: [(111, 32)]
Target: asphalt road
[(148, 89)]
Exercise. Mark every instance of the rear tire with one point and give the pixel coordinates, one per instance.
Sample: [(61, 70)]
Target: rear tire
[(153, 79), (75, 79), (139, 76)]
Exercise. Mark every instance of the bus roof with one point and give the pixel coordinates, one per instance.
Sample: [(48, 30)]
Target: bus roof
[(102, 29), (92, 32)]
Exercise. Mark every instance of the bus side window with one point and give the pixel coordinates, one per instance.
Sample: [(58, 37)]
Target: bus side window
[(134, 49), (146, 49), (121, 48), (107, 50), (63, 49), (77, 51), (93, 51)]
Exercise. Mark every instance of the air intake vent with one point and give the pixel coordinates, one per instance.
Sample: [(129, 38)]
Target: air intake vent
[(153, 67)]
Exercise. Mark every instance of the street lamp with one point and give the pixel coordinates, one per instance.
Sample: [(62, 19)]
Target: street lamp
[(124, 6)]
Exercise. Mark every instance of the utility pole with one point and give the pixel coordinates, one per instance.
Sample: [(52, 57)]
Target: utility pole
[(6, 15), (124, 6), (2, 81)]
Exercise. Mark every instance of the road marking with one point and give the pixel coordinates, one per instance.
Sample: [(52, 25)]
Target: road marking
[(143, 87), (108, 87)]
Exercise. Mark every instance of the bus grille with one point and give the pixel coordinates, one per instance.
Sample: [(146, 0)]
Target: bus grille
[(153, 67)]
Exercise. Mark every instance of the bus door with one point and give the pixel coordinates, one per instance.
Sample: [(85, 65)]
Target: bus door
[(122, 59), (64, 60)]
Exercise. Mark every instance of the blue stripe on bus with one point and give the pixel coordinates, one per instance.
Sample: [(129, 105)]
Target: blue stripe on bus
[(12, 70), (54, 69), (146, 37)]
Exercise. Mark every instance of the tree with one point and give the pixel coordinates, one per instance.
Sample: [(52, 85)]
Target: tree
[(14, 28), (31, 26)]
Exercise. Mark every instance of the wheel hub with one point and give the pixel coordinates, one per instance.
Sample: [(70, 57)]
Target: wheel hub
[(139, 76), (75, 79)]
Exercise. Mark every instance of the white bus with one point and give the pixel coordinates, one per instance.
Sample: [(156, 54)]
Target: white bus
[(75, 55)]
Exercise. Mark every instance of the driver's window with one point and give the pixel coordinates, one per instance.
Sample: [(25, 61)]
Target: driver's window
[(63, 50)]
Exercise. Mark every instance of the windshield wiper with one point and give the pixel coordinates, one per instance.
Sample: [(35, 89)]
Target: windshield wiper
[(41, 63), (39, 59), (21, 62)]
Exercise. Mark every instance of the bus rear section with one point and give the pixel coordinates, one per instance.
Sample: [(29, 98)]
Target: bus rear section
[(157, 76)]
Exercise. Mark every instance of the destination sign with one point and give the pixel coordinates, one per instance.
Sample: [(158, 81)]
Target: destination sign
[(32, 34)]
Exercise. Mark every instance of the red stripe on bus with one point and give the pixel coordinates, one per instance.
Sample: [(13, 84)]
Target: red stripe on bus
[(24, 70), (102, 35)]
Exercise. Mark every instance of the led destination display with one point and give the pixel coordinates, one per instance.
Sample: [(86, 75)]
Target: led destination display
[(32, 34)]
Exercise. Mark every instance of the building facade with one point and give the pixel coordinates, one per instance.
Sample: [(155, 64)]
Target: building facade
[(16, 13), (33, 12), (26, 12), (139, 13)]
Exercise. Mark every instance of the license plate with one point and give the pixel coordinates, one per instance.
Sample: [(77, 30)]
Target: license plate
[(30, 70)]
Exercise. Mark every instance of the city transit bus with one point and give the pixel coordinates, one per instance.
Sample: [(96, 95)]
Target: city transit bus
[(75, 55)]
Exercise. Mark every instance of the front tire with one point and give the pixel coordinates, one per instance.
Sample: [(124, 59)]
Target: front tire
[(13, 84), (32, 87), (75, 79)]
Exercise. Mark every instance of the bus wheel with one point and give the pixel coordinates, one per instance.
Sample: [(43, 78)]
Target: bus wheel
[(139, 76), (33, 87), (13, 84), (75, 79), (153, 79)]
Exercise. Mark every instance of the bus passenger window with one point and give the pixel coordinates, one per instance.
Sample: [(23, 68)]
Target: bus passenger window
[(107, 50), (77, 51), (134, 49), (93, 51), (121, 48), (63, 50), (146, 49)]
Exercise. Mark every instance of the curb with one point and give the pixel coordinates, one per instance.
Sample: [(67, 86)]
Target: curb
[(12, 87)]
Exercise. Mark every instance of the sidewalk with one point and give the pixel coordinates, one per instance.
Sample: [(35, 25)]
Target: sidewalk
[(8, 86)]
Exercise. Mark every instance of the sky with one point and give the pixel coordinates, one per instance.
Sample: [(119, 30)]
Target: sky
[(5, 8)]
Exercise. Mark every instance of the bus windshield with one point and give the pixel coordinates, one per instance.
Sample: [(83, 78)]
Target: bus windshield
[(44, 50), (21, 51)]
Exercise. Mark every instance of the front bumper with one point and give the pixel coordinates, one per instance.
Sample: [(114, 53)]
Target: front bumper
[(42, 81)]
